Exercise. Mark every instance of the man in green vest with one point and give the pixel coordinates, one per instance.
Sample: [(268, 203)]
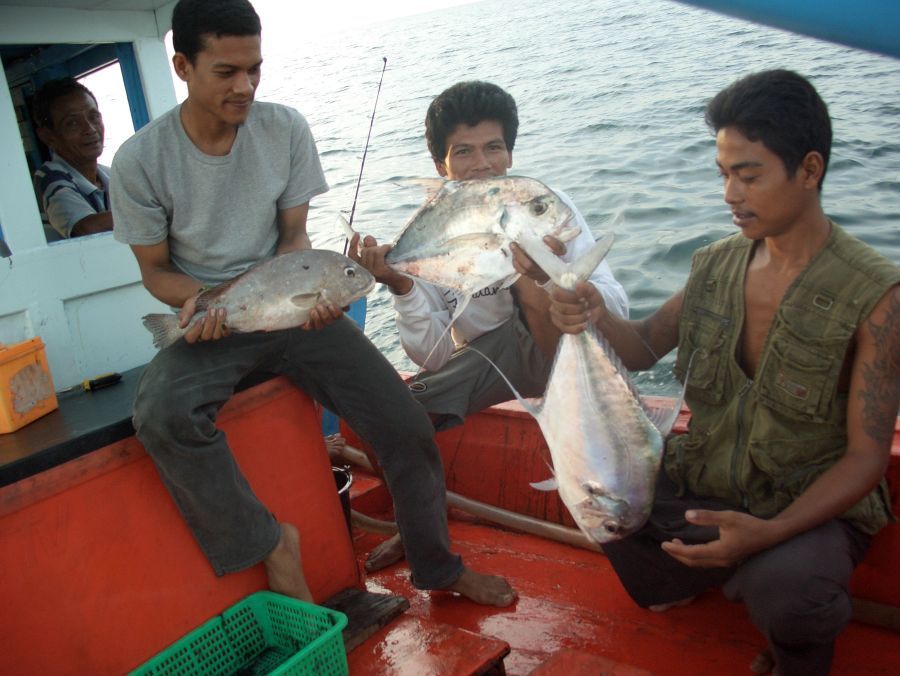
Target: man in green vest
[(794, 326)]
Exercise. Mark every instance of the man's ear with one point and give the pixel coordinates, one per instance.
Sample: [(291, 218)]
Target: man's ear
[(441, 168), (181, 65), (812, 166), (47, 136), (509, 161)]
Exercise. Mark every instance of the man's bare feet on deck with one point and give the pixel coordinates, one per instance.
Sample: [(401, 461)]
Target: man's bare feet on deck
[(334, 444), (663, 607), (284, 568), (388, 552), (488, 590)]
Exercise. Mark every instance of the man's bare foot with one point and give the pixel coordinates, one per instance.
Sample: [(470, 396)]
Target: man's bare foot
[(488, 590), (388, 552), (764, 663), (334, 444), (663, 607), (283, 566)]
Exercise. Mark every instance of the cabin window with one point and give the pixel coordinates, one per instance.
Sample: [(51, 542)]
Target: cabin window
[(108, 71)]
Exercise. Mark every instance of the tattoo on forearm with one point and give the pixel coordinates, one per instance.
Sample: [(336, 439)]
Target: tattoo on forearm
[(882, 375)]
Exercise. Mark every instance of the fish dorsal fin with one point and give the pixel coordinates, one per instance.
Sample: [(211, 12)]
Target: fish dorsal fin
[(456, 313), (664, 417), (667, 416), (208, 297), (567, 275), (430, 185), (615, 361), (344, 226), (550, 484)]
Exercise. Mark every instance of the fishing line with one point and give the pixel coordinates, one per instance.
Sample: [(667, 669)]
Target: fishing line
[(365, 150)]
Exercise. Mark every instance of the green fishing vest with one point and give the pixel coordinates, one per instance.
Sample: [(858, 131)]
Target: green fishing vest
[(758, 444)]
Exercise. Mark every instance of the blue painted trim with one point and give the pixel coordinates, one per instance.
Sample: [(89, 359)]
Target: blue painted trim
[(131, 76), (873, 25), (357, 312)]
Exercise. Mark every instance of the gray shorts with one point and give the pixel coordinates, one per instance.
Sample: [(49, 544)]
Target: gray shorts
[(467, 383)]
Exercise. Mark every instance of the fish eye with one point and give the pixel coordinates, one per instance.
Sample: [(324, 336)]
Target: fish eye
[(538, 208), (349, 272), (611, 527)]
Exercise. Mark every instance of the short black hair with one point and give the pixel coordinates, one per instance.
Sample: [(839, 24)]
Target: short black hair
[(49, 93), (192, 19), (469, 103), (779, 108)]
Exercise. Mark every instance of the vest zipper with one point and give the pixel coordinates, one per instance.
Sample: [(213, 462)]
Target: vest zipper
[(739, 442)]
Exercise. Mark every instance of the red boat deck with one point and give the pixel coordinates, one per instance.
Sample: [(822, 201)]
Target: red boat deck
[(570, 600), (99, 571), (572, 615)]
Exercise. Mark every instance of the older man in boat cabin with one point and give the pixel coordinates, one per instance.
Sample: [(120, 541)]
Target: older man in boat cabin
[(255, 168), (788, 333), (73, 187), (471, 130)]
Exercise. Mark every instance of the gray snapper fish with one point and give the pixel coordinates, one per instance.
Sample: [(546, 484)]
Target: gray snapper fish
[(606, 447), (276, 294), (460, 238)]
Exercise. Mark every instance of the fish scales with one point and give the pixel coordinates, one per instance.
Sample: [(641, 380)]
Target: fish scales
[(606, 451), (606, 466), (276, 294), (460, 238)]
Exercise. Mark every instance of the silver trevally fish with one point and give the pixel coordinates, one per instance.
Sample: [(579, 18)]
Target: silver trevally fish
[(606, 448), (276, 294), (460, 238)]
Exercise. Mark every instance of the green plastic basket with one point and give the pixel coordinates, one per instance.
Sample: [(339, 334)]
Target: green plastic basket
[(266, 633)]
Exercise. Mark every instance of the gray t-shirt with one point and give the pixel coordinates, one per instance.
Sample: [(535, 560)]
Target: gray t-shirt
[(219, 213)]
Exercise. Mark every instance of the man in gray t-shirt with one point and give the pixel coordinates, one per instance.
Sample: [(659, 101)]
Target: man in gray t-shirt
[(201, 194)]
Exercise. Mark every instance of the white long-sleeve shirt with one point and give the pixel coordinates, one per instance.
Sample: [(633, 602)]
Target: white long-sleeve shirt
[(425, 311)]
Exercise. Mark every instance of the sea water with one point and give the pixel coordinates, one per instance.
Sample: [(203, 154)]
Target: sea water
[(611, 95)]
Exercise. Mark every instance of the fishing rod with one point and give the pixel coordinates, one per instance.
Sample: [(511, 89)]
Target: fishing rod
[(365, 150)]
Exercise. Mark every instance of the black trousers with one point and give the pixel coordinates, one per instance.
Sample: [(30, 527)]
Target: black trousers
[(796, 592), (184, 387)]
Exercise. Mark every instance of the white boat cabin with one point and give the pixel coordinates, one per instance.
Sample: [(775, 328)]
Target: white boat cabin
[(82, 296)]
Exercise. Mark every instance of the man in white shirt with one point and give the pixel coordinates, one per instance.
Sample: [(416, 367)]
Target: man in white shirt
[(471, 129)]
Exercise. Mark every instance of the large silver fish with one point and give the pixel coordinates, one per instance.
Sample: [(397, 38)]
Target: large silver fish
[(606, 447), (460, 238), (276, 294)]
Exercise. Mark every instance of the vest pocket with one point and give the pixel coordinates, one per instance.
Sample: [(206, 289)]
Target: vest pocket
[(684, 458), (706, 336), (799, 377), (790, 466)]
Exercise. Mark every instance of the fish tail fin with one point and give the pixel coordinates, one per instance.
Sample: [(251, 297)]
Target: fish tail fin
[(164, 328), (567, 275), (530, 408)]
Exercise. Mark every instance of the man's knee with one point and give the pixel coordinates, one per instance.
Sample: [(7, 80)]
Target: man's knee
[(811, 611), (163, 413)]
